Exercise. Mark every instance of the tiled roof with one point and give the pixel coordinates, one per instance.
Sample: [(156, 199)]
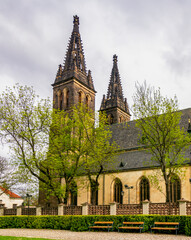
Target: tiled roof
[(133, 157), (8, 192)]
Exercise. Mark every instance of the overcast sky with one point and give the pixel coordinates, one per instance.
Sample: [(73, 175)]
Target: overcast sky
[(151, 38)]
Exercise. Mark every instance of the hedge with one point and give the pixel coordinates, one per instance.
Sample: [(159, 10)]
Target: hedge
[(81, 223)]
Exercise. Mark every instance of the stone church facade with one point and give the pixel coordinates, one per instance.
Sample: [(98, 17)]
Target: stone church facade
[(127, 179)]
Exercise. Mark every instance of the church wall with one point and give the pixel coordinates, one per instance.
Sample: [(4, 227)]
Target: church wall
[(132, 178)]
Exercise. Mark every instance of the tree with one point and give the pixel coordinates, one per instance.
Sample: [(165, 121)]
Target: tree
[(49, 145), (101, 152), (158, 119)]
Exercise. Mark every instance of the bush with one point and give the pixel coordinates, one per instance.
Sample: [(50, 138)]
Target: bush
[(81, 223)]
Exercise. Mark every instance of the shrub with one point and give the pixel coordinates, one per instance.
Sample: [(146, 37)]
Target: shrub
[(81, 223)]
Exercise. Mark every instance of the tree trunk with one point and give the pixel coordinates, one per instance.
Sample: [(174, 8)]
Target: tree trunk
[(94, 192), (167, 185)]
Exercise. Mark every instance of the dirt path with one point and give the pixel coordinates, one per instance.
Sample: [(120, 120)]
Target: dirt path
[(68, 235)]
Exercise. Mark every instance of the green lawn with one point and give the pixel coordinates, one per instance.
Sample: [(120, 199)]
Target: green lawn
[(19, 238)]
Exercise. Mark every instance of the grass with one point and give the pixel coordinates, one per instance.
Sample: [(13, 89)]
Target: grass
[(20, 238)]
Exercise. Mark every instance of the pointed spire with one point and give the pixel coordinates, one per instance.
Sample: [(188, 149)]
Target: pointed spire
[(115, 99), (115, 88), (90, 80), (74, 63), (59, 73), (76, 24), (75, 59)]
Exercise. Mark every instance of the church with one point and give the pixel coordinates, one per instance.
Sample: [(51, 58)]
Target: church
[(127, 180)]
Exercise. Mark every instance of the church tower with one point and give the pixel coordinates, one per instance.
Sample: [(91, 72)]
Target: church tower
[(115, 105), (72, 84)]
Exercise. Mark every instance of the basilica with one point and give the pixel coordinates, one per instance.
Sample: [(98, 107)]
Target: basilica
[(127, 180)]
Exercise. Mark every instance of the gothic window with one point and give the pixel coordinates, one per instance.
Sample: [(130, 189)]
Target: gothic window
[(144, 189), (61, 100), (73, 194), (110, 118), (118, 188), (80, 97), (175, 189), (87, 102), (121, 119), (67, 99), (56, 101)]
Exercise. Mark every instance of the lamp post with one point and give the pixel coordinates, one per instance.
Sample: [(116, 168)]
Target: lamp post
[(28, 196), (128, 187), (122, 193)]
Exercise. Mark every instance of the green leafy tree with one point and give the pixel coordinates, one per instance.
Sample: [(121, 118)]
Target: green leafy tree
[(100, 154), (158, 119), (50, 146)]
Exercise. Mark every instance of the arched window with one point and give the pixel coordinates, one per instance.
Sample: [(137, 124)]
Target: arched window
[(61, 100), (110, 118), (118, 188), (73, 194), (67, 99), (144, 189), (56, 101), (175, 189), (87, 102), (80, 97)]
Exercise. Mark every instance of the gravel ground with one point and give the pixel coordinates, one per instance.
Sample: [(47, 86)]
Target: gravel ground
[(68, 235)]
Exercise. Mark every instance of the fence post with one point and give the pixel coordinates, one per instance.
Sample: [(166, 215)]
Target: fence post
[(113, 208), (38, 211), (85, 208), (145, 206), (61, 209), (1, 211), (19, 210), (182, 206)]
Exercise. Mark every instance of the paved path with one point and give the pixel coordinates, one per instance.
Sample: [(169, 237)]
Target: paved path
[(68, 235)]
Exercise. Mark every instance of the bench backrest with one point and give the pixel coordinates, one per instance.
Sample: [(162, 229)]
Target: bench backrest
[(133, 223), (103, 222), (167, 223)]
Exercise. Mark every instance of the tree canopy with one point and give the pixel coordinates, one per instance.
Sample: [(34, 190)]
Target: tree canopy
[(158, 119), (53, 146)]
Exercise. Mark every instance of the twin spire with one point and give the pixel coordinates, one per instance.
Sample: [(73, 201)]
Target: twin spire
[(115, 104), (74, 64)]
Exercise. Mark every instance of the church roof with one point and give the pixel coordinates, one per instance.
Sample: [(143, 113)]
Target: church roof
[(74, 64), (126, 135)]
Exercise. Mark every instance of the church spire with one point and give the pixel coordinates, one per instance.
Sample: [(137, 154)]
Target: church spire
[(115, 105), (73, 85), (74, 63), (115, 88)]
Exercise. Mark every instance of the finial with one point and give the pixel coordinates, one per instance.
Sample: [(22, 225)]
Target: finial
[(76, 20), (115, 58)]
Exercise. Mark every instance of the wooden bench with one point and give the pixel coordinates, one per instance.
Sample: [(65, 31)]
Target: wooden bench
[(165, 226), (102, 225), (131, 225)]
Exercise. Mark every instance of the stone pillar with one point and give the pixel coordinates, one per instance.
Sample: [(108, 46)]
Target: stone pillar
[(1, 211), (61, 209), (182, 206), (113, 208), (38, 211), (19, 210), (85, 208), (145, 206)]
